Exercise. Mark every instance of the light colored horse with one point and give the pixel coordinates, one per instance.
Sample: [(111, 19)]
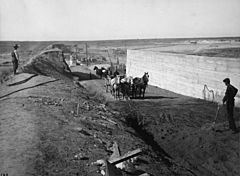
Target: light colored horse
[(107, 83), (115, 83), (128, 79)]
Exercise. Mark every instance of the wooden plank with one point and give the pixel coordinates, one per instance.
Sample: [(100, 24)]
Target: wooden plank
[(145, 174), (125, 156)]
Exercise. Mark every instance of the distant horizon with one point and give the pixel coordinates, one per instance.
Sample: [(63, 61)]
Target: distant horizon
[(170, 38)]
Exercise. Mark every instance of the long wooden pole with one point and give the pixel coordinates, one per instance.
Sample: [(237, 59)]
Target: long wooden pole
[(86, 53)]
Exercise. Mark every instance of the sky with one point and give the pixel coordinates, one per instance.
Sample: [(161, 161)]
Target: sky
[(117, 19)]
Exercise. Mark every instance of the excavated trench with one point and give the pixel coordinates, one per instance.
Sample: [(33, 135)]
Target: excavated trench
[(148, 138), (134, 121)]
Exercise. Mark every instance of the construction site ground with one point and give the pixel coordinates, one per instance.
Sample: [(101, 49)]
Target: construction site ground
[(46, 123)]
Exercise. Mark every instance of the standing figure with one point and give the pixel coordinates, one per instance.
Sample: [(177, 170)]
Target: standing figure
[(116, 72), (15, 59), (231, 92), (65, 65), (71, 60)]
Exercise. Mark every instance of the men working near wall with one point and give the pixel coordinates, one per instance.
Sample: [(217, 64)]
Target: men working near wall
[(231, 92), (15, 58)]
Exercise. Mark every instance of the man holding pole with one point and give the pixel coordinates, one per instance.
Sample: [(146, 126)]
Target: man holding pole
[(230, 93)]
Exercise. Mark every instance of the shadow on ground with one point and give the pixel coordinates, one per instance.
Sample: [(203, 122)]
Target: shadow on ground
[(25, 88), (152, 97), (23, 81), (84, 76)]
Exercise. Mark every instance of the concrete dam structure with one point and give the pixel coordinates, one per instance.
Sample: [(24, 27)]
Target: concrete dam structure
[(190, 75)]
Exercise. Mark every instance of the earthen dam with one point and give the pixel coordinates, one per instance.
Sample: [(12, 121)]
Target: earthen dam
[(186, 74)]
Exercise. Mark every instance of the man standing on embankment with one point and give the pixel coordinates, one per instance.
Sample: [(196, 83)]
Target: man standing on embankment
[(15, 59), (230, 93)]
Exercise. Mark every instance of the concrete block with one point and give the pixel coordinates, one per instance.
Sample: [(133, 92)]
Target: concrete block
[(185, 74)]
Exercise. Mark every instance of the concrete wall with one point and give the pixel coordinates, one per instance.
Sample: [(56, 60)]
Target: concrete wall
[(186, 74)]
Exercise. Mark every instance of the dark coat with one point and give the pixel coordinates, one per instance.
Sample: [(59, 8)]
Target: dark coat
[(230, 93)]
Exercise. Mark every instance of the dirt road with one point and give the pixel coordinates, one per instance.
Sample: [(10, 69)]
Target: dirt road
[(18, 138), (19, 124)]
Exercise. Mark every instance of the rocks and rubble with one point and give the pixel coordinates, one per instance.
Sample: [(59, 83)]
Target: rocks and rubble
[(117, 163)]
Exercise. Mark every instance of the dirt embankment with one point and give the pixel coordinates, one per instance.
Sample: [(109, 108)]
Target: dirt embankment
[(178, 128), (41, 131), (181, 126)]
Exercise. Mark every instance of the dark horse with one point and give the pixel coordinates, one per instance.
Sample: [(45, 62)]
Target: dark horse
[(101, 72), (139, 85)]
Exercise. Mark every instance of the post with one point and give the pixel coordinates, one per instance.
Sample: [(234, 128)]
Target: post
[(86, 53)]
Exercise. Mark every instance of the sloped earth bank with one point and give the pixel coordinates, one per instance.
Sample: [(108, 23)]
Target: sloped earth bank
[(178, 129), (43, 134)]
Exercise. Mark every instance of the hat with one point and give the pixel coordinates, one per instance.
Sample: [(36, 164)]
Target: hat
[(226, 80), (15, 46)]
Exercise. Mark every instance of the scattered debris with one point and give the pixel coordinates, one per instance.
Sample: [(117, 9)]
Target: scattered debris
[(48, 100), (87, 105), (99, 163), (126, 156), (145, 174), (109, 120), (103, 172), (81, 130), (117, 163), (116, 153), (78, 109), (80, 156), (102, 107)]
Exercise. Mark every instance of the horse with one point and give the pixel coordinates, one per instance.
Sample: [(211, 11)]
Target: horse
[(104, 72), (125, 86), (115, 73), (139, 85), (107, 82), (115, 82), (98, 71)]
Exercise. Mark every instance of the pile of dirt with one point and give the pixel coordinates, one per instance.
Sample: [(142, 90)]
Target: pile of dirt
[(207, 151), (48, 63)]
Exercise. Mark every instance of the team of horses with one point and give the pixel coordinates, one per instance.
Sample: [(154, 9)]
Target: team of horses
[(122, 86)]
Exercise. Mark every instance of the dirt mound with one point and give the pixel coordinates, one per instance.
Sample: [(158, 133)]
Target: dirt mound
[(48, 63), (205, 152)]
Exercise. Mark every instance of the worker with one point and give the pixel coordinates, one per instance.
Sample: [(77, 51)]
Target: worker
[(116, 72), (15, 59), (71, 60), (230, 93)]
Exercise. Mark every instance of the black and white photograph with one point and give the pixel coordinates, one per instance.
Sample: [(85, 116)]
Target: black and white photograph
[(119, 87)]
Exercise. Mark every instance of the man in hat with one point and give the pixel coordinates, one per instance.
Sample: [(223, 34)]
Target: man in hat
[(230, 93), (15, 58)]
